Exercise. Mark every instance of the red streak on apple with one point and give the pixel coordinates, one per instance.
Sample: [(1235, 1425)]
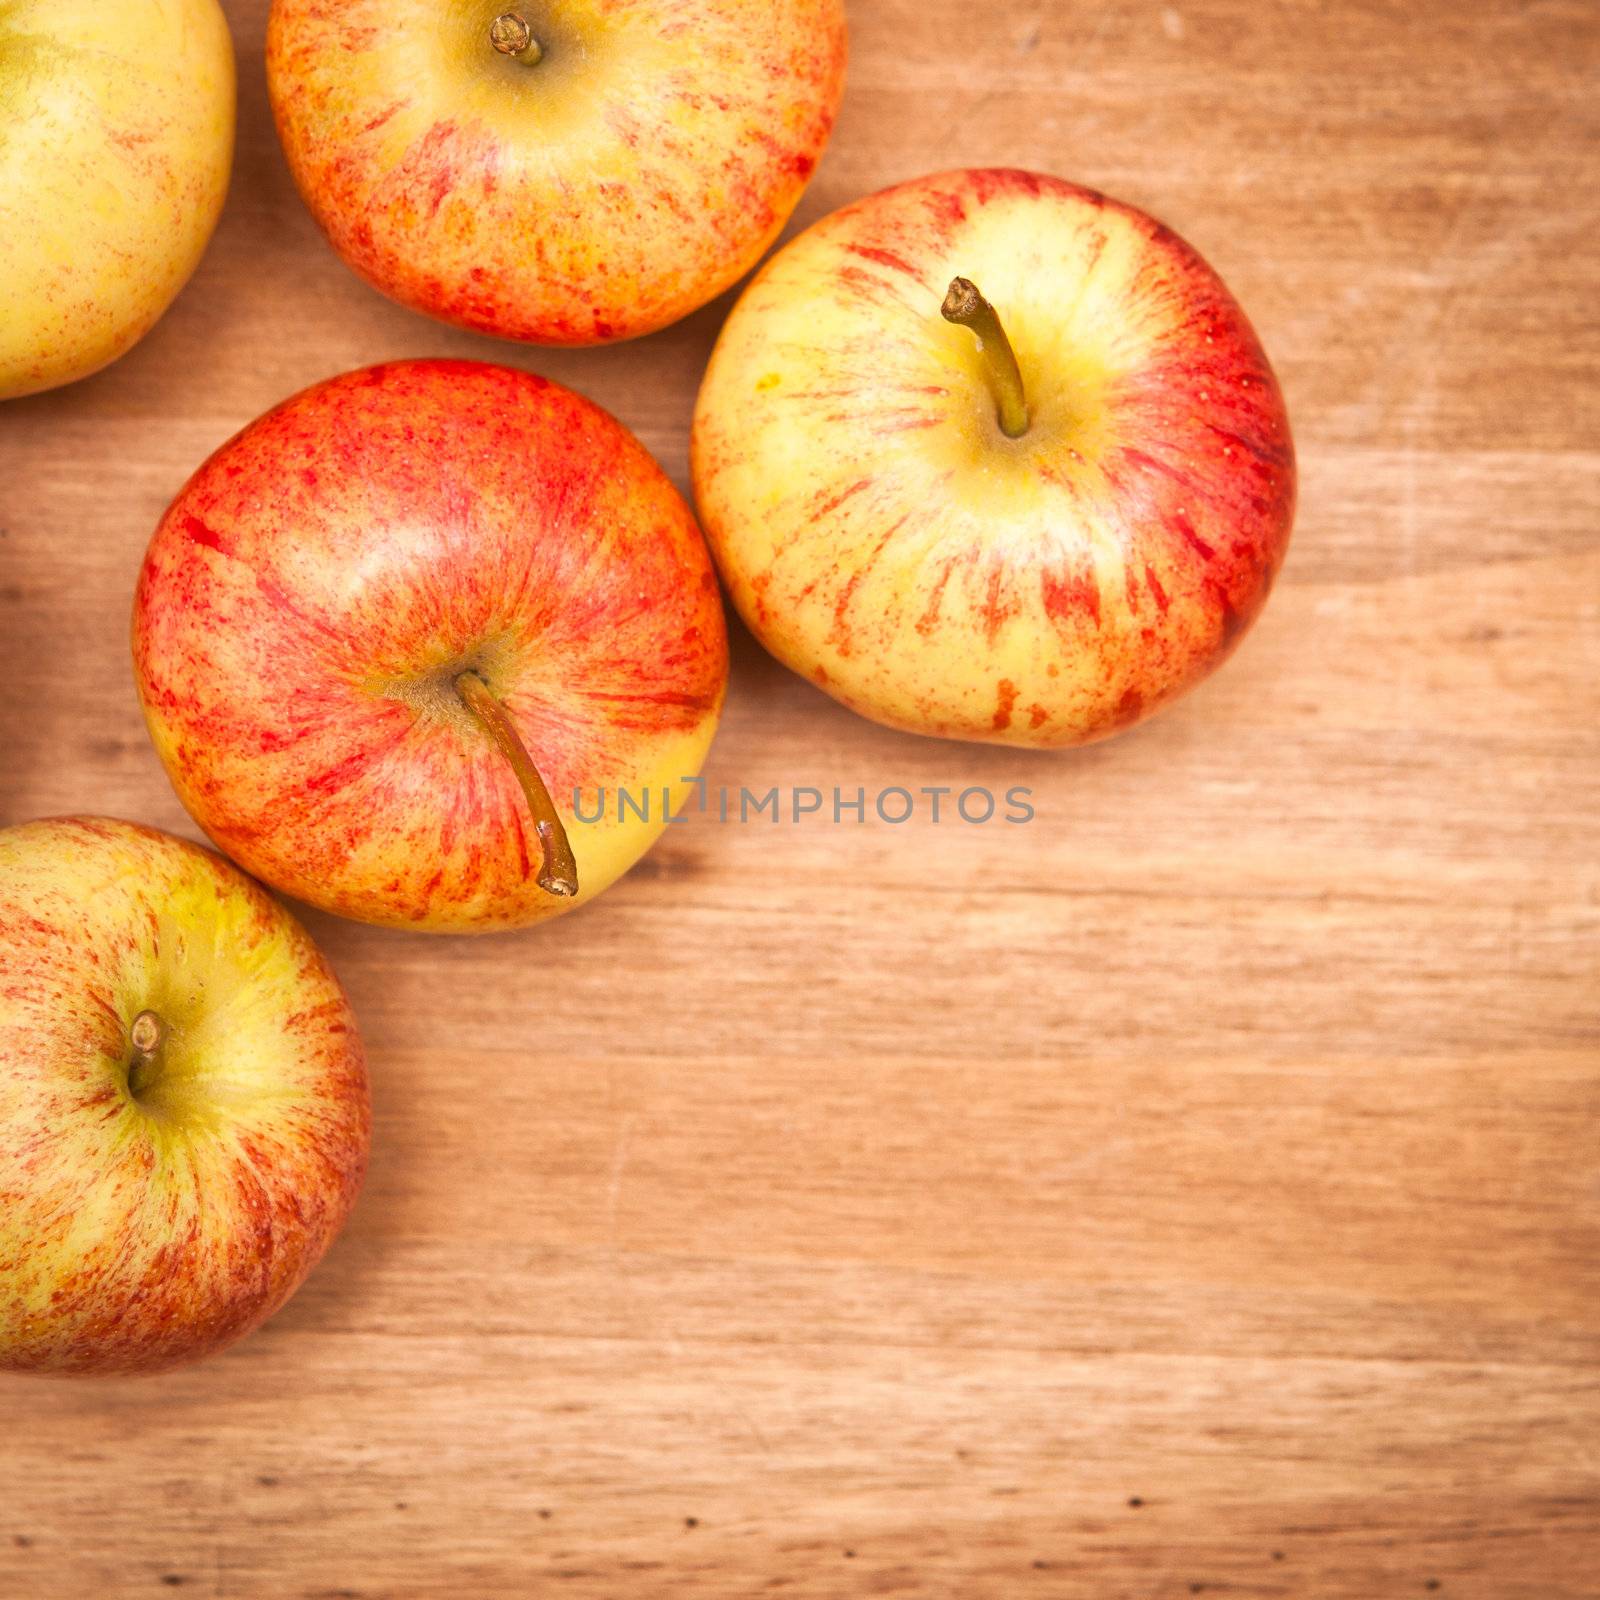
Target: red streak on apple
[(832, 504), (1007, 701), (1191, 538), (887, 258), (1070, 595)]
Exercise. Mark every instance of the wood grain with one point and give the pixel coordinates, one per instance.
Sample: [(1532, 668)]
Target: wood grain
[(1196, 1191)]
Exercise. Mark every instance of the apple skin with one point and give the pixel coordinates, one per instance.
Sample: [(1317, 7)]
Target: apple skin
[(883, 537), (140, 1232), (309, 598), (641, 168), (116, 141)]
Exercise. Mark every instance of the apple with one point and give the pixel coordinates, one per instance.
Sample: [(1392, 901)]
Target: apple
[(992, 457), (403, 634), (116, 139), (183, 1101), (566, 172)]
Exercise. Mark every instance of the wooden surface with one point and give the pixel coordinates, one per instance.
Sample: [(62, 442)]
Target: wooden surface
[(1195, 1192)]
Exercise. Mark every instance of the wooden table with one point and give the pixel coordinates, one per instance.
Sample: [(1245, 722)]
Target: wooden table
[(1197, 1191)]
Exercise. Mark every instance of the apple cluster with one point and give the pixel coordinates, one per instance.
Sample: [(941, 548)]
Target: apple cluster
[(986, 456)]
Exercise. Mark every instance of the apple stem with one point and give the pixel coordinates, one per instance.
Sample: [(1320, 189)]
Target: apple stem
[(558, 873), (147, 1034), (511, 36), (967, 308)]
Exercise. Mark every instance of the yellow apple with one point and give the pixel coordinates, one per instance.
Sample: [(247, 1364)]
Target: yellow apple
[(116, 139), (559, 171), (183, 1100), (1034, 536)]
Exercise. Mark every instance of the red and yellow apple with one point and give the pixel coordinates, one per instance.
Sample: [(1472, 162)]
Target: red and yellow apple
[(403, 640), (992, 457), (565, 172), (116, 139), (183, 1101)]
